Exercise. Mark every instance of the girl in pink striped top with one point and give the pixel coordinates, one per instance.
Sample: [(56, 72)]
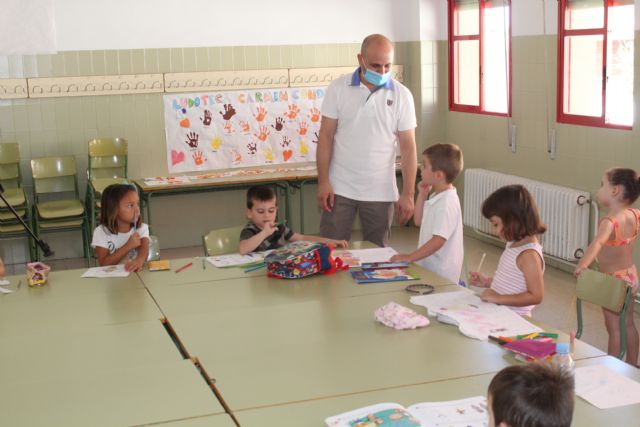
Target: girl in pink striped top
[(518, 281)]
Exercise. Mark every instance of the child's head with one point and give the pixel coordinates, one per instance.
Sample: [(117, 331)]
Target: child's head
[(120, 206), (441, 163), (619, 184), (532, 395), (513, 213), (262, 207)]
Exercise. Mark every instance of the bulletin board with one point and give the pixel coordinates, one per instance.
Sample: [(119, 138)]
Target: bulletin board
[(221, 130)]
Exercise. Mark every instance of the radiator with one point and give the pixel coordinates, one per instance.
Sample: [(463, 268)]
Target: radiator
[(565, 211)]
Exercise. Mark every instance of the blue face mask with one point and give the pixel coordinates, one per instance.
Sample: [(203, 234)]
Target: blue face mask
[(377, 79)]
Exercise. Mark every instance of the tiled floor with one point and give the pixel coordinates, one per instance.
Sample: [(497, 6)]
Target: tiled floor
[(557, 309)]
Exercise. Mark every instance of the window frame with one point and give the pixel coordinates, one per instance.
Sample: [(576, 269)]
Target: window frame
[(577, 119), (479, 109)]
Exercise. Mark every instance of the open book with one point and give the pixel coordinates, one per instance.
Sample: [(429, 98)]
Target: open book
[(471, 412)]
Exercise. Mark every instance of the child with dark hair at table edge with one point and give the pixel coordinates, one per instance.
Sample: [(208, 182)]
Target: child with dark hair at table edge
[(262, 232)]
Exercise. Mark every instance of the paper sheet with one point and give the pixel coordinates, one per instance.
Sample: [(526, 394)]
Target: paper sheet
[(474, 317), (4, 282), (356, 257), (5, 291), (108, 271), (237, 260), (605, 388), (471, 412)]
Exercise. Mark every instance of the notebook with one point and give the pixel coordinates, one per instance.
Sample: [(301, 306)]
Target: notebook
[(382, 275), (471, 412)]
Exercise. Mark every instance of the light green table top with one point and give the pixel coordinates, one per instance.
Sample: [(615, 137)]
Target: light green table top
[(61, 354), (218, 420), (313, 413), (121, 397), (267, 355)]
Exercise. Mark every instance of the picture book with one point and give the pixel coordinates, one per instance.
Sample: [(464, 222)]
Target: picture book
[(382, 275), (159, 265), (107, 271), (237, 260), (470, 412), (475, 318), (382, 265)]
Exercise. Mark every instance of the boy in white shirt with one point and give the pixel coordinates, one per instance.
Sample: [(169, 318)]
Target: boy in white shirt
[(440, 217)]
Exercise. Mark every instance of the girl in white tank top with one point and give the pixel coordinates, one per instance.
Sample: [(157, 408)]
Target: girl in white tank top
[(518, 282)]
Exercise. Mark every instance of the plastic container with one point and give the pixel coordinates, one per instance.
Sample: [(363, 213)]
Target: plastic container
[(563, 356), (37, 273)]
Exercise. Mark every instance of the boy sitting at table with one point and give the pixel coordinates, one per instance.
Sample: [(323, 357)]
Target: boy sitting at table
[(532, 395), (262, 233)]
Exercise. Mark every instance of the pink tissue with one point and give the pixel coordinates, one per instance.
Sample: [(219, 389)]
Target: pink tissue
[(399, 317)]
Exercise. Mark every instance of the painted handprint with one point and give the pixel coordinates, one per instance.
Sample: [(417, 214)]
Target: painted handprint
[(252, 147), (285, 142), (315, 141), (246, 127), (264, 133), (314, 114), (198, 158), (304, 148), (229, 112), (216, 142), (237, 157), (192, 139), (206, 120), (228, 127), (302, 128), (261, 114), (293, 111), (268, 155), (279, 124)]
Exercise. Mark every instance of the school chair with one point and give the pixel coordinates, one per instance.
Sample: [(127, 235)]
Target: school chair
[(605, 291), (11, 180), (57, 205), (221, 241), (107, 164)]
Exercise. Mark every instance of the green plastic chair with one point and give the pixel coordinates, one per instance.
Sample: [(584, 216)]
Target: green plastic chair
[(221, 241), (605, 291), (11, 180), (56, 177), (107, 165)]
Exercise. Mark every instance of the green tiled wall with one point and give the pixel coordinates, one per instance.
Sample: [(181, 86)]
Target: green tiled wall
[(62, 126)]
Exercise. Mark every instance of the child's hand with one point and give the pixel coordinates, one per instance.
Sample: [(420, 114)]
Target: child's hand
[(478, 279), (489, 295), (134, 265), (578, 270), (134, 241), (339, 243), (400, 258), (268, 229), (424, 188)]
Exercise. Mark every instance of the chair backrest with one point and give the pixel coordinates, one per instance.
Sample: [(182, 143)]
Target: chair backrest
[(603, 290), (107, 158), (222, 241), (154, 249), (54, 175), (10, 164)]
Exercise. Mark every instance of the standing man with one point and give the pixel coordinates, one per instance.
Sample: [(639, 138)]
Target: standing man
[(364, 116)]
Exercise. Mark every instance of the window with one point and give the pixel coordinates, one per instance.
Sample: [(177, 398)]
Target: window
[(480, 56), (595, 62)]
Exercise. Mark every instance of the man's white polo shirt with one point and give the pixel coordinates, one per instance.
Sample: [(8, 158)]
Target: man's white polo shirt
[(364, 147)]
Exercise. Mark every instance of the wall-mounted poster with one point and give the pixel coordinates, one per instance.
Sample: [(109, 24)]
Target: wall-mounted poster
[(221, 130)]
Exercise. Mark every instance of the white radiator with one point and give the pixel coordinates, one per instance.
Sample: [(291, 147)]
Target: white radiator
[(565, 211)]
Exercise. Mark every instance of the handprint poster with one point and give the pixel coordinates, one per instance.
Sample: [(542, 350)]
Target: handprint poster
[(221, 130)]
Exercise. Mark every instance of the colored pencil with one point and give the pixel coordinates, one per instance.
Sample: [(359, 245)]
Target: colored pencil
[(184, 266)]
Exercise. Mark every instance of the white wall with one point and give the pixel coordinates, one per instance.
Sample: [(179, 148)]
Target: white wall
[(433, 19), (130, 24)]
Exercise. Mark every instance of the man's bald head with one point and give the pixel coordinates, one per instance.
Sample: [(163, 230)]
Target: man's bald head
[(375, 41)]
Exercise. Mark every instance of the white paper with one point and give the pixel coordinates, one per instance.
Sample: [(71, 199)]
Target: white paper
[(348, 419), (5, 291), (235, 260), (474, 317), (471, 412), (4, 282), (367, 255), (108, 271), (605, 388)]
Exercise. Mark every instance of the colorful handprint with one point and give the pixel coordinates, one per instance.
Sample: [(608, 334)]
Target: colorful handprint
[(302, 128), (228, 127), (229, 112), (264, 133), (261, 113), (236, 157), (268, 155), (285, 142), (206, 120), (216, 142), (314, 114), (192, 139), (198, 158), (252, 147), (246, 127), (293, 111), (304, 148), (279, 124)]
